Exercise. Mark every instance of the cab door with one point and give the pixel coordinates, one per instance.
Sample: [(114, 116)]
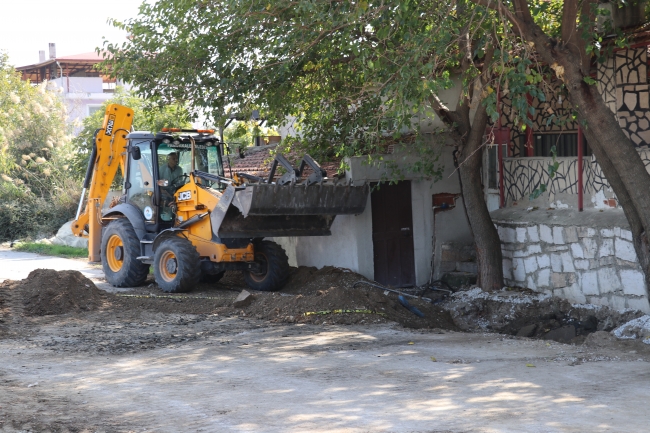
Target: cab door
[(140, 182)]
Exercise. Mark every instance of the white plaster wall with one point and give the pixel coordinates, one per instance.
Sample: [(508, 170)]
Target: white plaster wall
[(349, 246)]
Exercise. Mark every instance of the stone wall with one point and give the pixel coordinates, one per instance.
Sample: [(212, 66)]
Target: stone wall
[(582, 264)]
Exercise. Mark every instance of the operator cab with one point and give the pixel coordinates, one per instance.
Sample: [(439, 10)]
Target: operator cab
[(161, 164)]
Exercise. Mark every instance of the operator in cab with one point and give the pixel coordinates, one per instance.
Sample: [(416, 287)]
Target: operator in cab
[(172, 173)]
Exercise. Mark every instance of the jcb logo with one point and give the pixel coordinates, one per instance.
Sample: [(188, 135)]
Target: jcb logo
[(109, 125), (185, 195)]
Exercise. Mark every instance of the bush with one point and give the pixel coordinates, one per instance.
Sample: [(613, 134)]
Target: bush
[(36, 217)]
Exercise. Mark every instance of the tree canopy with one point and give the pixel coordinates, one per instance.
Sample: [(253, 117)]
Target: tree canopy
[(352, 75)]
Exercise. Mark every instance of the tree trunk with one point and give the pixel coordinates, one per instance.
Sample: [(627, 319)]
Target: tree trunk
[(615, 153), (486, 237)]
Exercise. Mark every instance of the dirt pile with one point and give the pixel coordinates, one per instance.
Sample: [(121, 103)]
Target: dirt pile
[(327, 295), (529, 314), (47, 292)]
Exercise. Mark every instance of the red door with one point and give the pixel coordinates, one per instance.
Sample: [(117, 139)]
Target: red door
[(392, 235)]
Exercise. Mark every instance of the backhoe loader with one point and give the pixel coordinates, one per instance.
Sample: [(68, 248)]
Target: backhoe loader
[(199, 223)]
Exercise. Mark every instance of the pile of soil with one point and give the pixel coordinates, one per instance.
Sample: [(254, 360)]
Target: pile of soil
[(346, 306), (327, 295), (47, 292), (529, 314)]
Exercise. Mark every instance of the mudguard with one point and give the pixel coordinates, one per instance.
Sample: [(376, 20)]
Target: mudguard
[(133, 214)]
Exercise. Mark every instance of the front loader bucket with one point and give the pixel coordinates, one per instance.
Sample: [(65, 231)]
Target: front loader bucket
[(273, 210), (292, 199)]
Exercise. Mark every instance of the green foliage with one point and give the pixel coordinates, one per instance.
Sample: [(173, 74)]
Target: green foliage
[(37, 193), (35, 147), (52, 250), (147, 116)]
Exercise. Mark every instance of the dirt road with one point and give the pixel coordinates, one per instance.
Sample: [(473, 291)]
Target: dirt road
[(151, 369)]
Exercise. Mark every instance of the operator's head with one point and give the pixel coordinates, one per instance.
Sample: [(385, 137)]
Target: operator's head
[(172, 160)]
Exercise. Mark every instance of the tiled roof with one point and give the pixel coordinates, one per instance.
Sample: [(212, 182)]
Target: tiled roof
[(257, 162)]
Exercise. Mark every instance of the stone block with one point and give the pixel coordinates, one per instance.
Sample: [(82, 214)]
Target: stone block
[(567, 262), (598, 300), (574, 294), (558, 236), (556, 262), (633, 282), (530, 264), (639, 304), (244, 299), (583, 265), (521, 234), (556, 248), (544, 278), (520, 253), (625, 264), (507, 269), (594, 264), (617, 232), (530, 283), (545, 234), (571, 234), (606, 261), (586, 232), (533, 249), (607, 233), (589, 283), (625, 250), (617, 302), (626, 234), (447, 266), (533, 234), (506, 253), (577, 251), (543, 261), (562, 279), (507, 234), (606, 248), (608, 280), (518, 270), (589, 247)]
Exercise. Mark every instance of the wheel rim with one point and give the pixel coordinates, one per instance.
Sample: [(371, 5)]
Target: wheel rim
[(168, 266), (265, 266), (115, 253)]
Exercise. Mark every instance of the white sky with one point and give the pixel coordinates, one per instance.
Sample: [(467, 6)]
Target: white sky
[(75, 26)]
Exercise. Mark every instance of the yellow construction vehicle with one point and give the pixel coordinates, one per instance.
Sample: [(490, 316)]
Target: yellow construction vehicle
[(178, 213)]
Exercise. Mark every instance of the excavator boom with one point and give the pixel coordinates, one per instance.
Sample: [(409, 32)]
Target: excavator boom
[(108, 154)]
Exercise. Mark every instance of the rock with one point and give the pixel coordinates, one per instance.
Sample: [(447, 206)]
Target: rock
[(562, 335), (65, 237), (244, 299), (527, 331), (637, 328)]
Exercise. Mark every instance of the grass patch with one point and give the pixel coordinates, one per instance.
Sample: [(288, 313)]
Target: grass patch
[(52, 250)]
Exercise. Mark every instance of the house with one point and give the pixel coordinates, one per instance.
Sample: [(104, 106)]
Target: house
[(83, 88), (573, 240), (393, 240)]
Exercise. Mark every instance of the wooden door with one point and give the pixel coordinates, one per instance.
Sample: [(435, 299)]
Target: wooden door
[(392, 235)]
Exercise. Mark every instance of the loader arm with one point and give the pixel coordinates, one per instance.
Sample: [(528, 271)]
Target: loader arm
[(109, 153)]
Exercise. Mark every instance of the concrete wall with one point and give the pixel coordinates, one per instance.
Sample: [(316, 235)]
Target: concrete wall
[(594, 262)]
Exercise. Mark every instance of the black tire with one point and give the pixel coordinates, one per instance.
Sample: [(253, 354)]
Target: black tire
[(275, 264), (212, 278), (119, 251), (177, 266)]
